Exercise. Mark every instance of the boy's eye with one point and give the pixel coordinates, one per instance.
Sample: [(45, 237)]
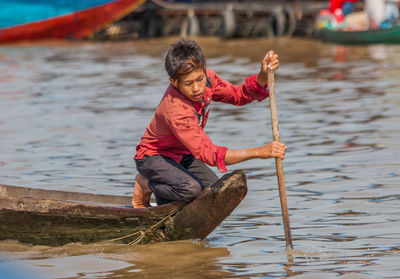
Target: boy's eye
[(191, 82)]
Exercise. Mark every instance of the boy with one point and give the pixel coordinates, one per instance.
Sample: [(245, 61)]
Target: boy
[(172, 155)]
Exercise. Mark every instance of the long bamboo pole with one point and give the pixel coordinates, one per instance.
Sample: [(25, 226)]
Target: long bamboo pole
[(278, 161)]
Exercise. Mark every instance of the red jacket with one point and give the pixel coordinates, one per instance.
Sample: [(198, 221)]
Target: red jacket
[(337, 4), (177, 127)]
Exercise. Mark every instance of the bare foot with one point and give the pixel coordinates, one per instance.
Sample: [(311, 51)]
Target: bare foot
[(141, 192)]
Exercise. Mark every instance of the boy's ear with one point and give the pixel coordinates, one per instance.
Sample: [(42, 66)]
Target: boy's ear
[(174, 82)]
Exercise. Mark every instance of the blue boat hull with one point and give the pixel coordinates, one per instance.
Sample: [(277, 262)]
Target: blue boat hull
[(46, 19)]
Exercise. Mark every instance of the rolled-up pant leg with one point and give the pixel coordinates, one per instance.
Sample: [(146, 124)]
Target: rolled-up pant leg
[(171, 181)]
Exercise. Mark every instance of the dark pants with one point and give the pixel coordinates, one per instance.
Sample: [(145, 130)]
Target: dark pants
[(172, 181)]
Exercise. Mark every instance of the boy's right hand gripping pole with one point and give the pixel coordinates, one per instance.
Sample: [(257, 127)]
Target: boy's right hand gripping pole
[(278, 161)]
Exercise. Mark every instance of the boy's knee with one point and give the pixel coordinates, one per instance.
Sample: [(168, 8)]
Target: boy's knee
[(192, 191)]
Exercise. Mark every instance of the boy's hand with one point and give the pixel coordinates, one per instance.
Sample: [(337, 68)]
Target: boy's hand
[(270, 62), (273, 149)]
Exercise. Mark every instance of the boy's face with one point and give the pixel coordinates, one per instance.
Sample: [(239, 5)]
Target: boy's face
[(192, 85)]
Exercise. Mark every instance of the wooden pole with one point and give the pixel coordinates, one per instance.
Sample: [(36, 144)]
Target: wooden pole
[(278, 161)]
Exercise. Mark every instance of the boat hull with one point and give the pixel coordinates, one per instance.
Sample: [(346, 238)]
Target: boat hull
[(73, 25), (56, 218), (377, 36)]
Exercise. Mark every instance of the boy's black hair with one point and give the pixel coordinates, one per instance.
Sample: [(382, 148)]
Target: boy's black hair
[(184, 57)]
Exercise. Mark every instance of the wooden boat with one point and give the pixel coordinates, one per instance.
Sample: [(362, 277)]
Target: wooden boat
[(49, 217), (61, 19), (376, 36)]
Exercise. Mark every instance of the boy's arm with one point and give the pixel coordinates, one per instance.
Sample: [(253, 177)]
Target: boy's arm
[(253, 88), (226, 92), (273, 149), (185, 127)]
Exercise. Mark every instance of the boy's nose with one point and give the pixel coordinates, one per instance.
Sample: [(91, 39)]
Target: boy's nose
[(195, 87)]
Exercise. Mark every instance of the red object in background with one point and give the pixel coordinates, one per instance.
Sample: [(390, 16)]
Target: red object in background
[(71, 26), (337, 4), (338, 15)]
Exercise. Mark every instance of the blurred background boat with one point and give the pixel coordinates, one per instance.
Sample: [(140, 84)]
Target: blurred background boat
[(360, 26), (49, 19), (226, 19), (132, 19), (375, 36)]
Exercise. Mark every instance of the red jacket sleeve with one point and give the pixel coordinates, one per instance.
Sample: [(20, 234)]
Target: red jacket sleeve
[(183, 123), (238, 95)]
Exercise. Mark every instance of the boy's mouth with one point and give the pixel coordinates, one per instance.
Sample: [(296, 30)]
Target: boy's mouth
[(197, 96)]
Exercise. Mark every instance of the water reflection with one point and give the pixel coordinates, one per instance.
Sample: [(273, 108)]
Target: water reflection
[(177, 259), (71, 114), (11, 270)]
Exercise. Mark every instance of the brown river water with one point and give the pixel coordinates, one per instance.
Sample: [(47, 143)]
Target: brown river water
[(71, 115)]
